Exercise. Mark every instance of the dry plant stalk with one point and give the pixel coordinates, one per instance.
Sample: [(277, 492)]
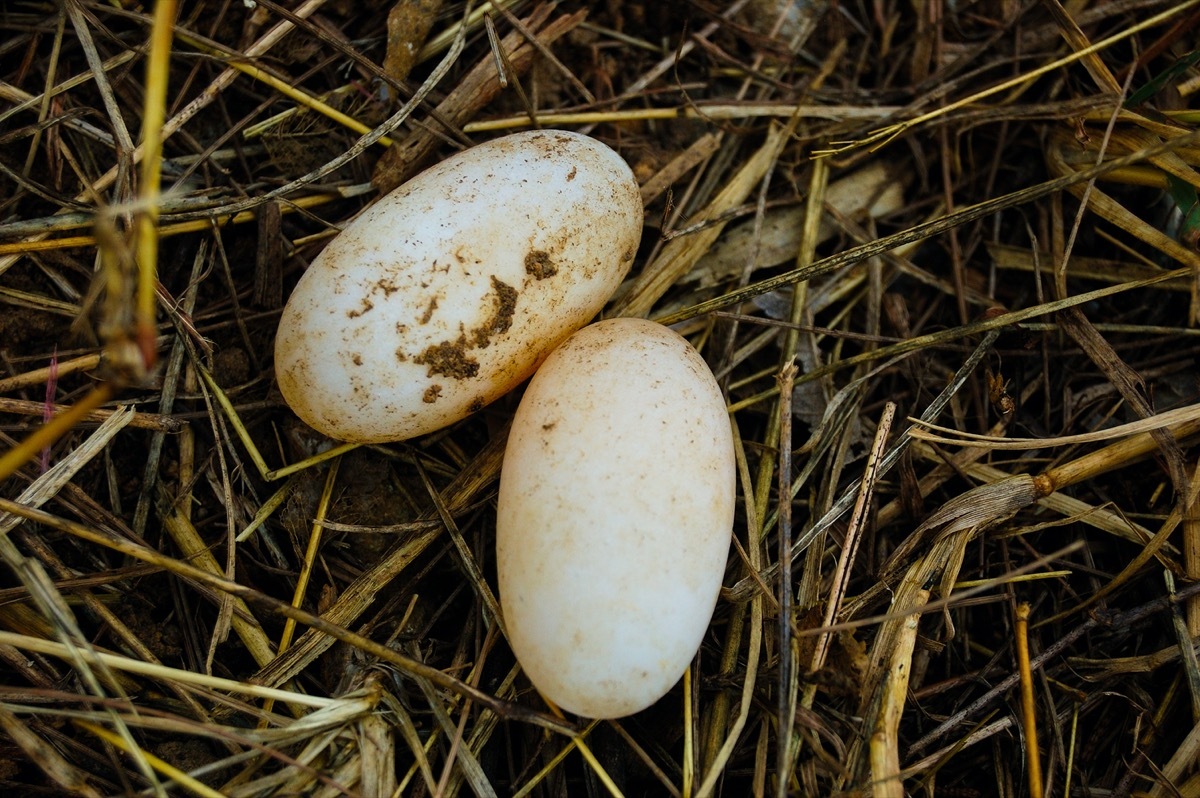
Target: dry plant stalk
[(1033, 757), (474, 91)]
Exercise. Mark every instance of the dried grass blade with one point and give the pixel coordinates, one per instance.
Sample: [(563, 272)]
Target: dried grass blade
[(420, 750), (360, 146), (113, 110), (52, 481), (1183, 760), (310, 554), (710, 112), (163, 672), (172, 125), (1089, 268), (1066, 506), (1078, 41), (1128, 384), (788, 684), (681, 254), (1191, 553), (23, 100), (1113, 211), (486, 721), (153, 114), (45, 756), (320, 624), (881, 137), (749, 585), (925, 230), (251, 449), (306, 100), (465, 759), (553, 762), (886, 778), (193, 547), (697, 152), (355, 599), (1116, 455), (479, 584), (1149, 551), (716, 766), (57, 612), (48, 433), (475, 90), (891, 653), (1180, 415), (377, 756), (1187, 647), (441, 41)]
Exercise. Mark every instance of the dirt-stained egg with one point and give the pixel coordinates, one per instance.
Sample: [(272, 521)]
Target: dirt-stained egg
[(448, 292), (614, 517)]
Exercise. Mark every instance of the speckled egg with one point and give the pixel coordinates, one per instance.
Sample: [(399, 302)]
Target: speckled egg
[(449, 291), (614, 517)]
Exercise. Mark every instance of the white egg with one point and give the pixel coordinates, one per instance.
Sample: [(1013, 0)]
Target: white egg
[(614, 518), (449, 291)]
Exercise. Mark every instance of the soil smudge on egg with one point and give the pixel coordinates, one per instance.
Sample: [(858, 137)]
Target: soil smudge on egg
[(539, 264), (451, 359)]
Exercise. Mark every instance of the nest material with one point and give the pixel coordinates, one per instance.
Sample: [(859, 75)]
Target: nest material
[(869, 221)]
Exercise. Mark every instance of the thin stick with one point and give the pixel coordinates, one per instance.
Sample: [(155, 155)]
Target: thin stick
[(689, 745), (841, 576), (153, 115), (787, 704), (39, 376), (310, 556), (306, 100), (698, 111), (1028, 711), (151, 421), (1071, 748)]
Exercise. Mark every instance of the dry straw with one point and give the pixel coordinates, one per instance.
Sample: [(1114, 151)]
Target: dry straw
[(984, 219)]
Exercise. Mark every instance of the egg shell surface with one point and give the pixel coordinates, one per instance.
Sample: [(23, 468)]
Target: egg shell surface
[(614, 517), (449, 291)]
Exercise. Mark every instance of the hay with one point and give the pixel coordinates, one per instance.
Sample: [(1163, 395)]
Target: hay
[(984, 217)]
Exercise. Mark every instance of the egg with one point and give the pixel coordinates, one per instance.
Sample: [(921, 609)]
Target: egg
[(614, 517), (448, 292)]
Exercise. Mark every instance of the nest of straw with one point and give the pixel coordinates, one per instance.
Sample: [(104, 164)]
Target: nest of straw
[(941, 257)]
